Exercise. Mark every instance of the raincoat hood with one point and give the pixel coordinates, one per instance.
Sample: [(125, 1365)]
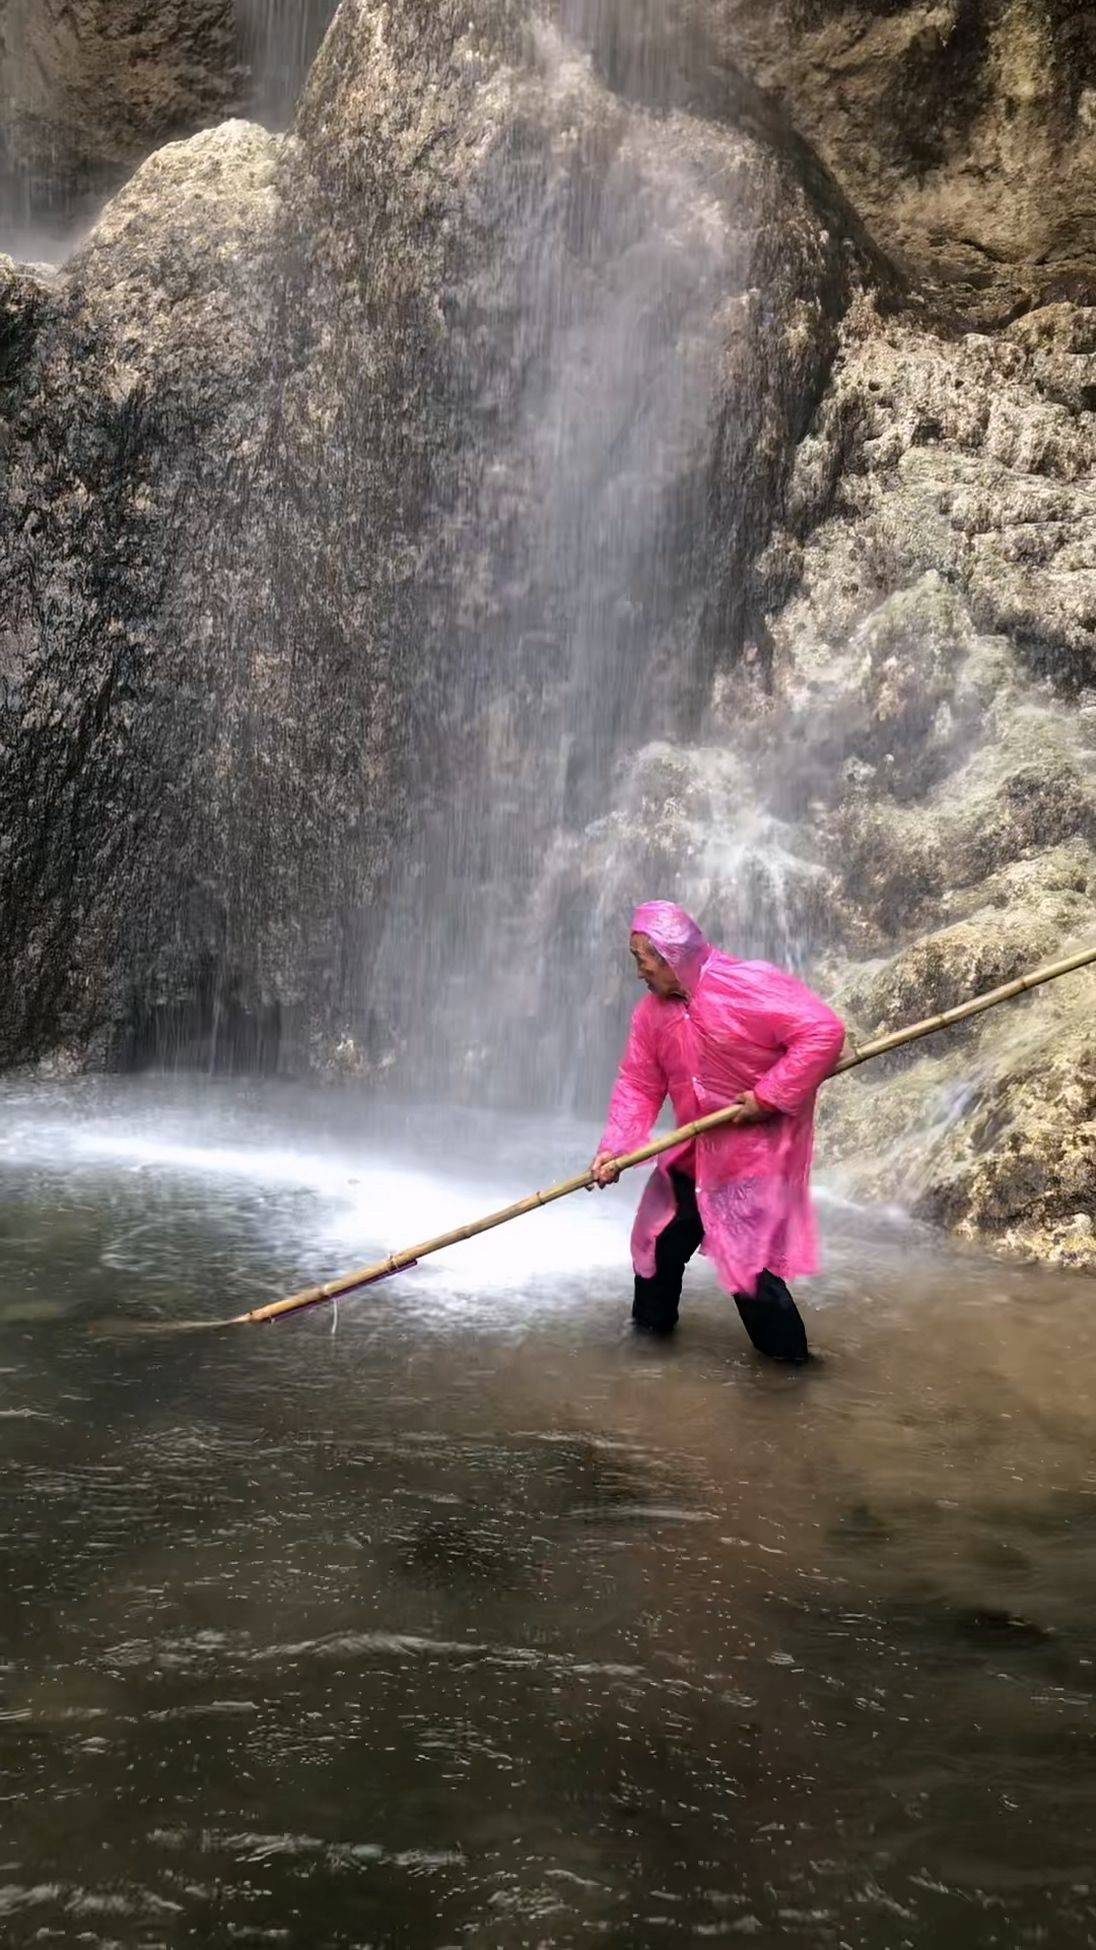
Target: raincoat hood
[(678, 938)]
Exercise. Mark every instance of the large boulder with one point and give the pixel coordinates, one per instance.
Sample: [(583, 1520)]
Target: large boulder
[(187, 736), (272, 445)]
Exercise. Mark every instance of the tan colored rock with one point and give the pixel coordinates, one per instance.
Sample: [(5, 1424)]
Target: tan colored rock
[(962, 131), (180, 257), (992, 1132), (88, 87), (935, 651)]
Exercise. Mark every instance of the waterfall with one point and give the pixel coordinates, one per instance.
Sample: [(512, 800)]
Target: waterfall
[(498, 416), (556, 787), (277, 42), (41, 208)]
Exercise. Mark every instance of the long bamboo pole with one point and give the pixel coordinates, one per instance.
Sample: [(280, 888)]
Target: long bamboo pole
[(314, 1296)]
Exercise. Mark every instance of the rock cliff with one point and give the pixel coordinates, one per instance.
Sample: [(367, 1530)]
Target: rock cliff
[(941, 647), (194, 788)]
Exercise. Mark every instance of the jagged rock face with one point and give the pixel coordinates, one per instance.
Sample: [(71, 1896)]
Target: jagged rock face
[(941, 645), (191, 733), (918, 775), (255, 508), (962, 131)]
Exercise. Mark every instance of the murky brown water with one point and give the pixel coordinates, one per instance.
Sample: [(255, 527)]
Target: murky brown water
[(475, 1623)]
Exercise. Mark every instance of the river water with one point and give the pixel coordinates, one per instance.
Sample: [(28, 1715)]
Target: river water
[(473, 1622)]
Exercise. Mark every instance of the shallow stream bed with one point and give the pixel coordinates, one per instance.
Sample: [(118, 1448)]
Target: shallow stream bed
[(474, 1622)]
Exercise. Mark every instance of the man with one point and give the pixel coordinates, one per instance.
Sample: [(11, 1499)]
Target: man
[(713, 1031)]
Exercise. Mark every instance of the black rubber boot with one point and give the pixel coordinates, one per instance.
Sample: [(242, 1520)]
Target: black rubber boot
[(773, 1321)]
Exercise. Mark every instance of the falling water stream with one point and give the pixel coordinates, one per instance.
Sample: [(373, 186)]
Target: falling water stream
[(278, 41), (550, 762)]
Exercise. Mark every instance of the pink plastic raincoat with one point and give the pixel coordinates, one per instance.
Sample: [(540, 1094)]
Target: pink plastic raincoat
[(745, 1026)]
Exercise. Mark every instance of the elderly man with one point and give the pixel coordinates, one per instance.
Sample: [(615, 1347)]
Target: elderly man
[(713, 1031)]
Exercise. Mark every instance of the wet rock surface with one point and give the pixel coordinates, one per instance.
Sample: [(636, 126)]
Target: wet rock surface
[(944, 623), (187, 743)]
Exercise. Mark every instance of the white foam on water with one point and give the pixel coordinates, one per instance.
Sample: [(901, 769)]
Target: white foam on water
[(579, 1236), (263, 1164), (336, 1201), (370, 1208)]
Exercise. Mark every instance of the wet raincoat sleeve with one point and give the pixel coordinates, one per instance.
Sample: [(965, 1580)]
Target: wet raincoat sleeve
[(813, 1038), (638, 1094)]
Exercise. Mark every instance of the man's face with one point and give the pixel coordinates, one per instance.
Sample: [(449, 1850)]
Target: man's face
[(653, 970)]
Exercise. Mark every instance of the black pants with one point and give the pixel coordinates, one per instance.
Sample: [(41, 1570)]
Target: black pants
[(770, 1316)]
